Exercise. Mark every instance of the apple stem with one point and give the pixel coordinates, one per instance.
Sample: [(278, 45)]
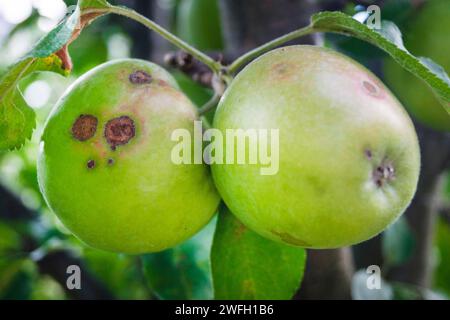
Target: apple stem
[(126, 12), (247, 57), (211, 104)]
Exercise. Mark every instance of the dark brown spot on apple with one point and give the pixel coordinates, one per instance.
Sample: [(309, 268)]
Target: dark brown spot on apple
[(110, 161), (286, 237), (84, 127), (91, 164), (370, 88), (368, 153), (140, 77), (119, 131), (383, 174)]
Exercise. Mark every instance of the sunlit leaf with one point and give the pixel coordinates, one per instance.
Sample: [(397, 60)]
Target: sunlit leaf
[(17, 119)]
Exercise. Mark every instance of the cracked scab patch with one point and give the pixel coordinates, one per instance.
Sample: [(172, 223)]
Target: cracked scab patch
[(382, 174), (383, 171), (84, 127), (119, 131), (140, 77), (90, 164)]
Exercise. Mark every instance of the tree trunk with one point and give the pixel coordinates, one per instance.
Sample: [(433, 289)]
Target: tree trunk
[(328, 275)]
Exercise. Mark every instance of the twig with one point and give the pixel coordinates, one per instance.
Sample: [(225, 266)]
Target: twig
[(195, 69)]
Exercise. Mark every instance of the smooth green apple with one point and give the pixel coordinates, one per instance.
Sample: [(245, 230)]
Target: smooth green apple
[(348, 152), (105, 164), (427, 35)]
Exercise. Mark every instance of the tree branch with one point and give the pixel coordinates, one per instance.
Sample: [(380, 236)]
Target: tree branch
[(192, 67), (55, 264)]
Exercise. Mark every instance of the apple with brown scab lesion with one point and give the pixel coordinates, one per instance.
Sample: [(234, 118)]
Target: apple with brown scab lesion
[(348, 153), (105, 164)]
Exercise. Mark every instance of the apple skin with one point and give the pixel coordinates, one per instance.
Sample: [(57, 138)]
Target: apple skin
[(126, 198), (337, 124), (427, 36)]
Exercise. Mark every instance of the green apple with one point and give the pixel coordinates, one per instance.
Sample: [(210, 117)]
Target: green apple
[(105, 164), (427, 36), (348, 152)]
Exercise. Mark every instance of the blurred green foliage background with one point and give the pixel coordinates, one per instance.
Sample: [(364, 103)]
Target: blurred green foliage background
[(31, 237)]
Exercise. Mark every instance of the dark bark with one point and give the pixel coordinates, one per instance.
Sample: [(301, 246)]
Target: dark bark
[(250, 23), (141, 35), (368, 253), (13, 209), (164, 17), (333, 5), (55, 264), (327, 275), (444, 212)]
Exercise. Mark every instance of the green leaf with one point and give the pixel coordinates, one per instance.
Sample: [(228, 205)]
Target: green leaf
[(20, 288), (182, 272), (17, 119), (56, 38), (119, 273), (248, 266), (441, 276), (398, 243), (389, 39), (83, 4)]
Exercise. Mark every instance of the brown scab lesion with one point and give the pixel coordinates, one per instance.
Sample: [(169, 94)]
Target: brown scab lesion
[(84, 127), (140, 77), (90, 164), (286, 237), (383, 173), (119, 131), (370, 88)]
